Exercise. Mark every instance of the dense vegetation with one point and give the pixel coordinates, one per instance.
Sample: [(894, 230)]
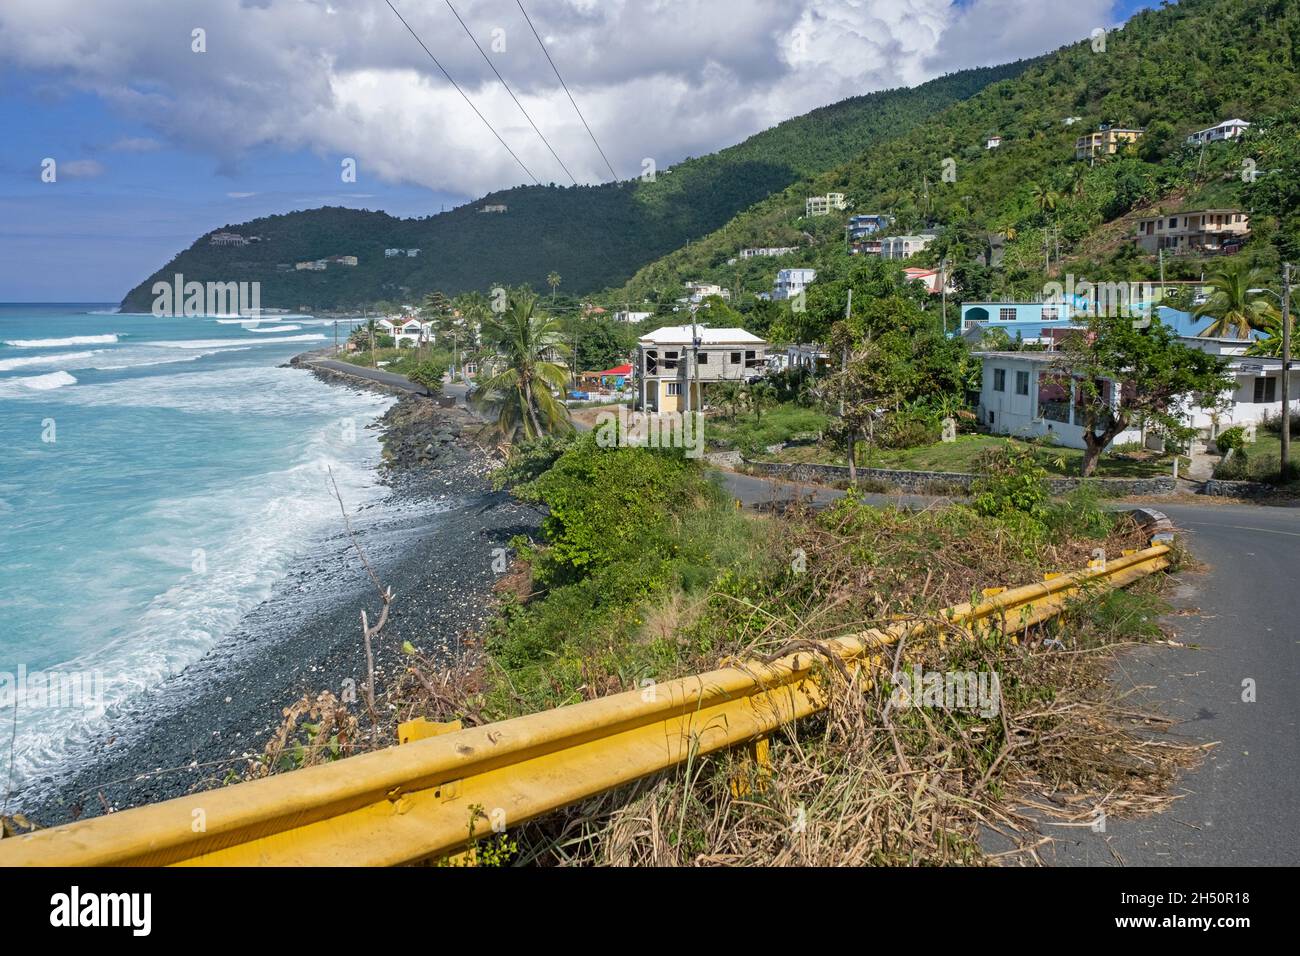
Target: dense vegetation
[(1171, 71), (592, 236)]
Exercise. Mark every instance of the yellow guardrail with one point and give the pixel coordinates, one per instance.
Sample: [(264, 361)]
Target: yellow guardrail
[(428, 797)]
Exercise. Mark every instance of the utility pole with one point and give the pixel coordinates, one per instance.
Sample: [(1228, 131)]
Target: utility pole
[(844, 350), (1286, 371), (943, 293), (336, 336)]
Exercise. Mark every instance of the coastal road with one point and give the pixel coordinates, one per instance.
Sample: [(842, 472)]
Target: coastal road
[(1238, 619), (370, 374), (384, 377)]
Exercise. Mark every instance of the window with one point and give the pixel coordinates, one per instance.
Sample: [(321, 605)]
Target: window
[(701, 358), (735, 358), (999, 380), (1054, 398), (1265, 390), (674, 388), (1022, 383), (1006, 315), (1051, 313)]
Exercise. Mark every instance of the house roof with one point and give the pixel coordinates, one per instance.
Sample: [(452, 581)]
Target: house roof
[(617, 370), (1039, 358), (681, 335)]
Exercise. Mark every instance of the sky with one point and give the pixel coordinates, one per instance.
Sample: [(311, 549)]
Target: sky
[(159, 133)]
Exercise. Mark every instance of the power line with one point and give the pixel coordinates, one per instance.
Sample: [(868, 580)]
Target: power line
[(463, 95), (488, 59), (566, 88)]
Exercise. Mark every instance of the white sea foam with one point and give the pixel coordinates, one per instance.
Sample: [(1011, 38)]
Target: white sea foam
[(229, 343), (9, 387), (8, 365), (252, 529), (62, 343), (276, 328)]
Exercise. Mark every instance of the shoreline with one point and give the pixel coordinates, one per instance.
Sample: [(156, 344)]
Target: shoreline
[(431, 538)]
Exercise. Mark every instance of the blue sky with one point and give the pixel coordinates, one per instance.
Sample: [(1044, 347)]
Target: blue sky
[(153, 151)]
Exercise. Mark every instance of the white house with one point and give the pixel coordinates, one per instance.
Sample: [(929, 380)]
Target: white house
[(993, 142), (904, 247), (406, 331), (1256, 392), (697, 292), (626, 315), (810, 356), (677, 358), (791, 282), (1228, 129), (1025, 396)]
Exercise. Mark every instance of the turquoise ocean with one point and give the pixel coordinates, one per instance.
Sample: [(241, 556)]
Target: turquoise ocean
[(158, 478)]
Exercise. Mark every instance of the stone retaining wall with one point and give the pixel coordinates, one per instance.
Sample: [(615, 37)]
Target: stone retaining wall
[(1237, 489)]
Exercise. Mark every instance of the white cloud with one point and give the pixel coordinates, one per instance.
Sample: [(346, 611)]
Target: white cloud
[(655, 78), (81, 169), (136, 144)]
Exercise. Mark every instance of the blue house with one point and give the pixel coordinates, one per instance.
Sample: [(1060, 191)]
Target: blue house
[(868, 225)]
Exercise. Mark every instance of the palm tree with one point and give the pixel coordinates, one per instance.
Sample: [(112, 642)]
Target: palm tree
[(1045, 197), (553, 280), (521, 377), (1237, 303)]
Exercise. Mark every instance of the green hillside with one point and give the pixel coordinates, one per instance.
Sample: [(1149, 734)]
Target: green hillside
[(1171, 71), (594, 236)]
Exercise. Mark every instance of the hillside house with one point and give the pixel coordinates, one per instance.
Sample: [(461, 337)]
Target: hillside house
[(790, 283), (1106, 141), (1228, 129), (1210, 231), (676, 364), (824, 205), (868, 225), (904, 247)]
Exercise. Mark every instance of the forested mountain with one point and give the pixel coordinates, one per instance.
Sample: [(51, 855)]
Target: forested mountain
[(593, 236), (1170, 71)]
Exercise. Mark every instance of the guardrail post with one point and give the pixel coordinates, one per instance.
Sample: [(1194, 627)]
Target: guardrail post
[(754, 769)]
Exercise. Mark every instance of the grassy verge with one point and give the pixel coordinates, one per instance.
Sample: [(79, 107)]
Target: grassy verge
[(961, 455), (1261, 461), (752, 434)]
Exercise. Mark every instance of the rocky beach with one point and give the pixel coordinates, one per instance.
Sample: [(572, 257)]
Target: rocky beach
[(433, 539)]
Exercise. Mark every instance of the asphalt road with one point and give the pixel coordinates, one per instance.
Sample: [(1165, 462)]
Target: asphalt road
[(1237, 621), (386, 378)]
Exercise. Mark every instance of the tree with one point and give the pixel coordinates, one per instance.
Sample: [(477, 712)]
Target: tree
[(521, 345), (428, 375), (759, 396), (553, 280), (858, 394), (1154, 372), (1045, 197), (1237, 303)]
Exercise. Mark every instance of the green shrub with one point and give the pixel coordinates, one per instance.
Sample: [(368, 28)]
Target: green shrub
[(1231, 439), (1009, 481)]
